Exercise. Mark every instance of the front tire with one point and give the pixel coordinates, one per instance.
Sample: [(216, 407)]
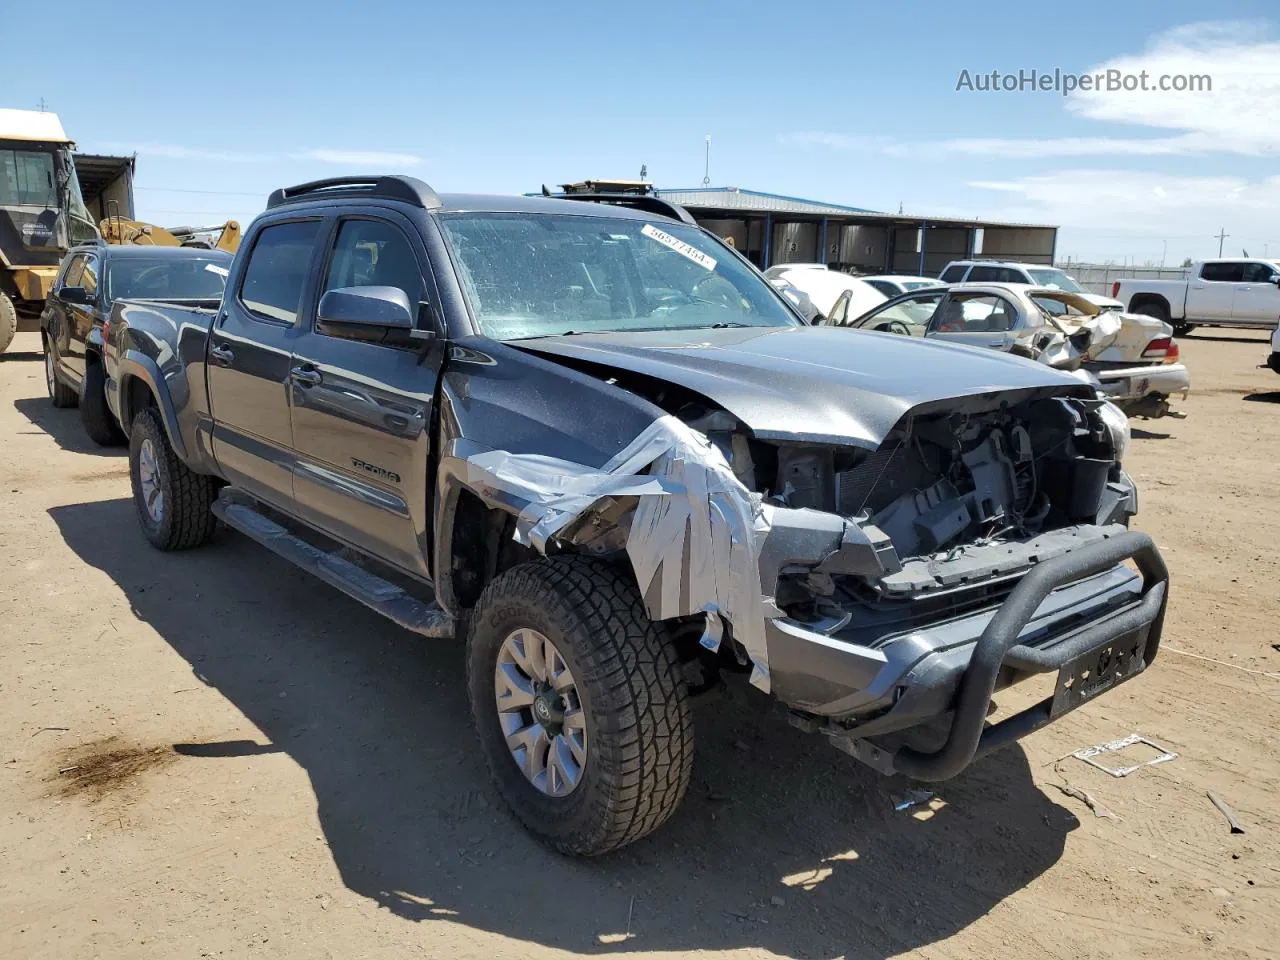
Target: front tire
[(606, 761), (99, 422), (173, 501)]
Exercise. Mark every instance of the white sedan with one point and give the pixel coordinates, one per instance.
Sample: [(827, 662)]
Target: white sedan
[(826, 288), (893, 284)]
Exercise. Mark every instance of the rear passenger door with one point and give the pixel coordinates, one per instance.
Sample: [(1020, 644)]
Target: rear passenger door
[(362, 409), (58, 320), (1210, 296), (81, 316), (250, 351)]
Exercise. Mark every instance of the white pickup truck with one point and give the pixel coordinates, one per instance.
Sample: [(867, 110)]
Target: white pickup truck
[(1219, 293)]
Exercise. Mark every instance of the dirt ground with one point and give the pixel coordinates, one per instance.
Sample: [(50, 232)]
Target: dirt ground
[(210, 754)]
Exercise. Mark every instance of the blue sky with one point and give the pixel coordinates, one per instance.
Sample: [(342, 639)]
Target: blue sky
[(852, 103)]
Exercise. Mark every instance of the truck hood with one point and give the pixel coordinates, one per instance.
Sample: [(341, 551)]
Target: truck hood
[(814, 384), (1098, 300)]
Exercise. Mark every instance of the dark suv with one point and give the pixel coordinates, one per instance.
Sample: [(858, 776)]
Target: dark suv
[(90, 279), (593, 438)]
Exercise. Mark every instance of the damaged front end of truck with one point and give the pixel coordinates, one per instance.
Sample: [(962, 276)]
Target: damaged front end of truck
[(884, 579)]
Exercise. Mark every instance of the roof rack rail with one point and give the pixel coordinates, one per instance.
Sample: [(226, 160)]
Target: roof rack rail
[(408, 189), (644, 200)]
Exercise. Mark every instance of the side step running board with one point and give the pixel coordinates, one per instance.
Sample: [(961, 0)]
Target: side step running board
[(374, 592)]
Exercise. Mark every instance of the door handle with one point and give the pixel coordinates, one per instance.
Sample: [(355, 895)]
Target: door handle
[(305, 376), (222, 356)]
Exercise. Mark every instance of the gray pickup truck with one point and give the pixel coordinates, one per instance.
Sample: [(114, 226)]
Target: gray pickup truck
[(593, 438)]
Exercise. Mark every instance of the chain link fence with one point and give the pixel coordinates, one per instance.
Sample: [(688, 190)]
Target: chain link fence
[(1098, 277)]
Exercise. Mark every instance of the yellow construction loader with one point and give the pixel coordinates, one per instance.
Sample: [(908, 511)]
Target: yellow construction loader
[(122, 230)]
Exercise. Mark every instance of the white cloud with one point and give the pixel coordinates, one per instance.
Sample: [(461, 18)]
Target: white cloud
[(1113, 210), (366, 158), (177, 152), (1237, 116), (836, 141)]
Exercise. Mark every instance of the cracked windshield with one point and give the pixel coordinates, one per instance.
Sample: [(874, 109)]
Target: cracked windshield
[(541, 276)]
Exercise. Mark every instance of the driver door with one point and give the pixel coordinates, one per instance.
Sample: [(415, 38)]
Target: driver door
[(908, 315), (362, 410)]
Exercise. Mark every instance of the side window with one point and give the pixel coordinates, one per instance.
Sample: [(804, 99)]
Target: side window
[(914, 312), (1258, 272), (1222, 272), (374, 253), (985, 314), (89, 279), (953, 274), (75, 270), (276, 273), (996, 275), (885, 287)]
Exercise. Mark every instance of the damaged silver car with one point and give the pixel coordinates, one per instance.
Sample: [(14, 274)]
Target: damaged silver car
[(594, 435)]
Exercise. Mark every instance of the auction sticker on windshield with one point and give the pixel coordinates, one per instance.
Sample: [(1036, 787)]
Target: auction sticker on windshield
[(679, 246)]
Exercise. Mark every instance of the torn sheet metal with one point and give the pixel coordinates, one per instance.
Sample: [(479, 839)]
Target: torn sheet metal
[(695, 535)]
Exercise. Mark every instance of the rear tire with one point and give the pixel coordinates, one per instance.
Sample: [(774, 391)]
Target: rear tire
[(60, 395), (1153, 310), (99, 422), (637, 733), (173, 501), (8, 322)]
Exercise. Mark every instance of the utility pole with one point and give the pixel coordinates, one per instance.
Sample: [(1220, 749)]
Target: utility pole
[(706, 176), (43, 106), (1164, 251), (1222, 235)]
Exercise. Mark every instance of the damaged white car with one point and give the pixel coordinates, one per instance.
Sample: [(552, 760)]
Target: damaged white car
[(1131, 358)]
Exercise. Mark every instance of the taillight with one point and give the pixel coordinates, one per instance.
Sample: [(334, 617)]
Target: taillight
[(1115, 290), (1172, 355), (1159, 347)]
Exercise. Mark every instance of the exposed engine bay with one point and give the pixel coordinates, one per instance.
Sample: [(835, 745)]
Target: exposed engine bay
[(944, 483)]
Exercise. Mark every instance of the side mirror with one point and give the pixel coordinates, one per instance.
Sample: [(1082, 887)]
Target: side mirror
[(77, 295), (381, 314)]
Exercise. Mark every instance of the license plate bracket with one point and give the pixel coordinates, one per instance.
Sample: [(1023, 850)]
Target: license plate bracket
[(1084, 677)]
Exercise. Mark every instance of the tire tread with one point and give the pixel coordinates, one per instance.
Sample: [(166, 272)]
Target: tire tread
[(636, 688)]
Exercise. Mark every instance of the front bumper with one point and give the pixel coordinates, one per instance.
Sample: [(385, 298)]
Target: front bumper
[(1081, 611)]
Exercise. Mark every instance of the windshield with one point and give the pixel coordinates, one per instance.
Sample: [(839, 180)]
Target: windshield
[(26, 179), (166, 278), (913, 312), (920, 284), (1056, 279), (539, 275)]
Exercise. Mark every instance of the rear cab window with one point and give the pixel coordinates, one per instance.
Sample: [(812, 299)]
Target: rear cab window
[(275, 275), (996, 275), (1231, 272)]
